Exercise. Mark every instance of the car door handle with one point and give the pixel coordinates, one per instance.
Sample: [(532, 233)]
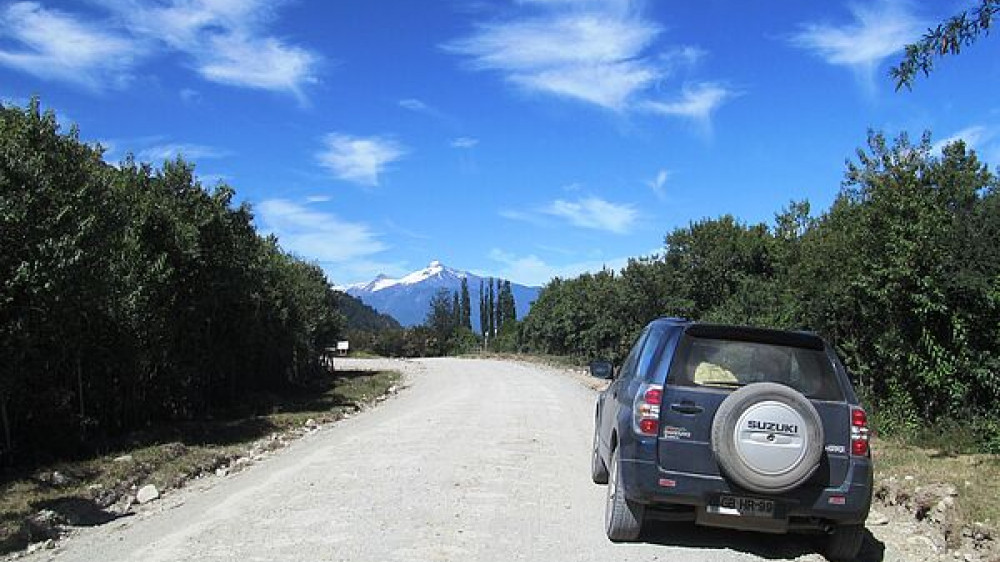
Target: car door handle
[(689, 408)]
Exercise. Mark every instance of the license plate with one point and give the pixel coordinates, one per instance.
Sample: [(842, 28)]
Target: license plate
[(743, 506)]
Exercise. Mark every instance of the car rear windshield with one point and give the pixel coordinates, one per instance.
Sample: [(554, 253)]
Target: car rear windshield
[(729, 364)]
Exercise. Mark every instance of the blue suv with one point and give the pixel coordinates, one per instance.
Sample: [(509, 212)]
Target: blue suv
[(732, 426)]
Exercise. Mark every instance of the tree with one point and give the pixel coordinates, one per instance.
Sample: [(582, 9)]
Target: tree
[(491, 310), (130, 295), (483, 315), (441, 316), (947, 38), (901, 275), (466, 306)]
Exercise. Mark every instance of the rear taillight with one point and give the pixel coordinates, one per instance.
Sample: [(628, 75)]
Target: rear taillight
[(646, 410), (859, 432)]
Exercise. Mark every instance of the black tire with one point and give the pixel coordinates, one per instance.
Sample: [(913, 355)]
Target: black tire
[(844, 542), (622, 518), (598, 470), (724, 443)]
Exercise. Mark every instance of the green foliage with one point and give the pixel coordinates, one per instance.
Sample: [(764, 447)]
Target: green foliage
[(465, 306), (902, 274), (947, 38), (360, 317), (130, 295)]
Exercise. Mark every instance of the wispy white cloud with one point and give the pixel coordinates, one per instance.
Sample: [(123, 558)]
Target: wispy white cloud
[(973, 136), (317, 235), (658, 184), (588, 212), (582, 56), (171, 151), (414, 104), (984, 139), (262, 63), (595, 213), (464, 142), (597, 52), (878, 30), (190, 95), (54, 45), (359, 159), (214, 179), (697, 102), (318, 198), (532, 270), (226, 40), (423, 108)]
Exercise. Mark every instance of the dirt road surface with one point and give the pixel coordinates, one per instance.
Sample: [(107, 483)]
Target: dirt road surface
[(475, 461)]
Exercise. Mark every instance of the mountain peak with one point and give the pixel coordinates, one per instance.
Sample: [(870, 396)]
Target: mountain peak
[(406, 298)]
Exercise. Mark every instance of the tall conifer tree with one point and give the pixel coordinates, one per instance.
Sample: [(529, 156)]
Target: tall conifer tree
[(466, 320)]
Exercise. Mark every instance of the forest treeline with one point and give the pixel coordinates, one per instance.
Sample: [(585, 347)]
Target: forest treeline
[(902, 274), (132, 295)]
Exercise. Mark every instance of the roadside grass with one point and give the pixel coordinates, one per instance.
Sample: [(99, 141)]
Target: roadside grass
[(81, 492), (560, 361), (976, 477)]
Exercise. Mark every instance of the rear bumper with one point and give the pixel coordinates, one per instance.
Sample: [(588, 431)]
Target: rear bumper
[(645, 482)]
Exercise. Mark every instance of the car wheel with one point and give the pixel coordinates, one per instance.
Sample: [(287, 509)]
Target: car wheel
[(598, 470), (767, 438), (622, 518), (844, 542)]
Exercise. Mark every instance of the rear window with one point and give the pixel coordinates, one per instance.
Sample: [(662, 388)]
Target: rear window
[(728, 364)]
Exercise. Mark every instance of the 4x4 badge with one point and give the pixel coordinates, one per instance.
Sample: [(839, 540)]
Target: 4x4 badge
[(671, 432)]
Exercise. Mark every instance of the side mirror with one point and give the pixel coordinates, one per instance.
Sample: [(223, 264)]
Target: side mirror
[(602, 369)]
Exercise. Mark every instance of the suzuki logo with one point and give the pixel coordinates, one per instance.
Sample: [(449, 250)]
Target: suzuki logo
[(772, 426)]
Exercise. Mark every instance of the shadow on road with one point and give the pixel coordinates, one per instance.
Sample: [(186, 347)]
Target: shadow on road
[(771, 547)]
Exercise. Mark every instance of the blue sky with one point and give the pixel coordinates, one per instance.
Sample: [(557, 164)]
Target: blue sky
[(520, 138)]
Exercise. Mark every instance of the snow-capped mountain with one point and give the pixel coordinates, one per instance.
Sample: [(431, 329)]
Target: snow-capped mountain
[(407, 299)]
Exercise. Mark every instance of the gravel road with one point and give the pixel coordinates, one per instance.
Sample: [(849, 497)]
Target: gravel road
[(475, 460)]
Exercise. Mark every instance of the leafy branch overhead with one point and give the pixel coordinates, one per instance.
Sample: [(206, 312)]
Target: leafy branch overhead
[(947, 38)]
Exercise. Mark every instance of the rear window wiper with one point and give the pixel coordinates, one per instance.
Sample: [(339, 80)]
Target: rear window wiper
[(723, 384)]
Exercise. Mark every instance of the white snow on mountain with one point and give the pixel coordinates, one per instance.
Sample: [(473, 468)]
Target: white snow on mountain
[(407, 298)]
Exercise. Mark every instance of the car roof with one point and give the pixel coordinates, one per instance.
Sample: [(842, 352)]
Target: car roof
[(772, 336)]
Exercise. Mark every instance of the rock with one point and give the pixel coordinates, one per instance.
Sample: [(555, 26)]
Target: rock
[(44, 525), (124, 458), (147, 494), (59, 479), (877, 518), (46, 545), (123, 505), (930, 498), (311, 424), (921, 540), (222, 472)]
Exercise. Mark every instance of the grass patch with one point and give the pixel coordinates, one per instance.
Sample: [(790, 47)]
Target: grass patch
[(561, 361), (975, 476), (81, 492), (362, 354)]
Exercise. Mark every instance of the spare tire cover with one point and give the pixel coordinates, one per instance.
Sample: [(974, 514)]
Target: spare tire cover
[(767, 438)]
